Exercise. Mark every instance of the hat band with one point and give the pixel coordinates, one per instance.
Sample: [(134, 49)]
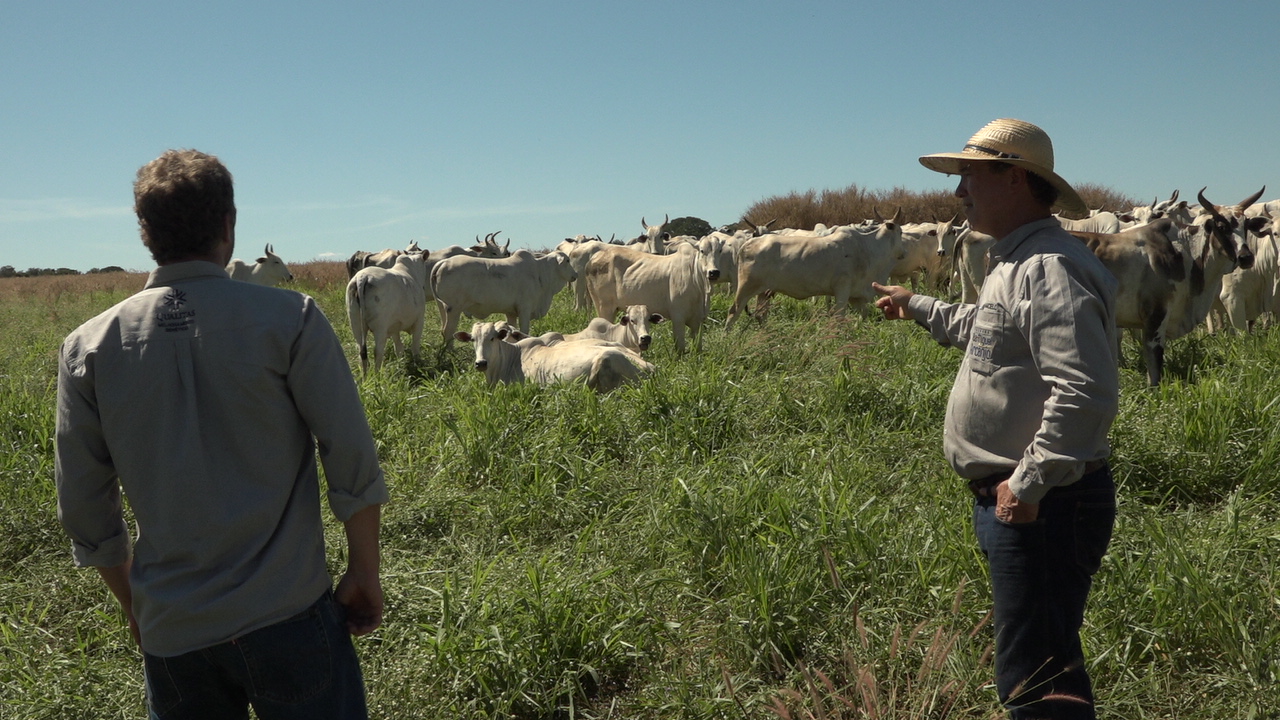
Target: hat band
[(996, 153)]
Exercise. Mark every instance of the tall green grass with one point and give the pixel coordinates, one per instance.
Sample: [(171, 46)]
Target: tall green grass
[(764, 529)]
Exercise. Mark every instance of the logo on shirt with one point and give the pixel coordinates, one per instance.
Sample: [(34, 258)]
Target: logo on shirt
[(172, 318), (175, 299)]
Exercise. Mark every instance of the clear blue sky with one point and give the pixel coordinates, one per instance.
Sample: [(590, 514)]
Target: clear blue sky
[(366, 125)]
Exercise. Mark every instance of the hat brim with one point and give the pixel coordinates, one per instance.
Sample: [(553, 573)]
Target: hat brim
[(950, 163)]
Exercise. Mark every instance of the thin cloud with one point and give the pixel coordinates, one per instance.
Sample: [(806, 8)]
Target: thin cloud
[(44, 209)]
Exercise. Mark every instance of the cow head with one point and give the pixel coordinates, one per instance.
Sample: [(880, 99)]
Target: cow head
[(271, 264), (710, 252), (637, 320), (1229, 228), (655, 236), (946, 232), (490, 339)]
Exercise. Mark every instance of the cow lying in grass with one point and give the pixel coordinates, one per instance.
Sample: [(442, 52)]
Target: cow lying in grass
[(603, 365)]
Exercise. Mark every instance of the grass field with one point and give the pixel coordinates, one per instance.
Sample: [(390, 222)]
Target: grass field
[(766, 528)]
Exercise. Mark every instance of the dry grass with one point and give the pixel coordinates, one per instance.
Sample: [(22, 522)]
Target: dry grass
[(46, 288), (854, 204), (319, 275)]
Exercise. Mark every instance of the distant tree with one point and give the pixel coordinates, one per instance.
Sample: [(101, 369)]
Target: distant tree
[(7, 271), (697, 227)]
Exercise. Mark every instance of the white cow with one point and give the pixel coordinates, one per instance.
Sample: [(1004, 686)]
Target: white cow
[(655, 237), (923, 256), (520, 286), (1098, 222), (674, 286), (266, 270), (1248, 293), (632, 331), (842, 264), (603, 367), (580, 252), (387, 303), (972, 261)]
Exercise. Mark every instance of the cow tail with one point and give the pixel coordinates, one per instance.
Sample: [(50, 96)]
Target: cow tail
[(355, 313)]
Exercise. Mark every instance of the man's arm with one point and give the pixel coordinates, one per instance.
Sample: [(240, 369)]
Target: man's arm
[(360, 589), (117, 580)]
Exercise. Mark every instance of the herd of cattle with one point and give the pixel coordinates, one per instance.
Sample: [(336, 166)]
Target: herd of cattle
[(1176, 264)]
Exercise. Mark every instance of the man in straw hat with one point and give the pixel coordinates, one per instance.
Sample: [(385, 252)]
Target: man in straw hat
[(1029, 412)]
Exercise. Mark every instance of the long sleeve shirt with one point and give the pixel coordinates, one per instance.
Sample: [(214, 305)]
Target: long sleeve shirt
[(206, 399), (1038, 387)]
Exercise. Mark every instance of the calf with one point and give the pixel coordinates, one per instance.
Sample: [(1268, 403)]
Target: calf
[(602, 367)]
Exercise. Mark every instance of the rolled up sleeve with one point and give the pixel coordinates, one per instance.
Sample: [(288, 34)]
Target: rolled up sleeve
[(1072, 343), (326, 395), (90, 506)]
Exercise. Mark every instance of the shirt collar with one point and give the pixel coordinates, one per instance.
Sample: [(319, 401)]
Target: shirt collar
[(1005, 247), (196, 269)]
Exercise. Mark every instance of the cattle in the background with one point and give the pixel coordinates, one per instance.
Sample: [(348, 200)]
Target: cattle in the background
[(386, 303), (842, 264), (266, 270), (1170, 275), (384, 259), (969, 256), (603, 367), (580, 250), (674, 286), (520, 287), (924, 260), (655, 237)]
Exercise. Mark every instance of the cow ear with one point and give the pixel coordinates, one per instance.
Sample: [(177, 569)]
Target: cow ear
[(625, 320), (261, 260), (502, 334), (516, 335), (656, 318), (1256, 224), (463, 336)]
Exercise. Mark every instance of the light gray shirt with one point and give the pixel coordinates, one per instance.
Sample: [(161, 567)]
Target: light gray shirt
[(206, 398), (1038, 387)]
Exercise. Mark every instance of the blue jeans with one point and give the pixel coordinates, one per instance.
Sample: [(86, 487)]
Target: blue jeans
[(302, 668), (1041, 573)]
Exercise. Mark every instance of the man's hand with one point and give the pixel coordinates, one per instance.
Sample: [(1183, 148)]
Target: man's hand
[(1012, 510), (360, 589), (361, 595), (894, 302)]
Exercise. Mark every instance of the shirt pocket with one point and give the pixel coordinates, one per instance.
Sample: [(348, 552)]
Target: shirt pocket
[(987, 341)]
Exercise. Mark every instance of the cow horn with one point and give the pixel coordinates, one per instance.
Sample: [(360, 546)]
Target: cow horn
[(643, 224), (1174, 196), (269, 244), (1251, 199), (667, 218), (876, 212), (1204, 203)]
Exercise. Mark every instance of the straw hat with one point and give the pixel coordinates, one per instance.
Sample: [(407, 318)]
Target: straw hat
[(1017, 143)]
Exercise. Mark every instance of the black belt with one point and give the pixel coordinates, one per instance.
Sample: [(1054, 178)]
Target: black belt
[(982, 486)]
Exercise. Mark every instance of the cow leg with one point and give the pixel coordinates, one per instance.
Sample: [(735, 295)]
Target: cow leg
[(746, 291), (677, 329), (449, 325), (443, 307), (1153, 346), (379, 350)]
